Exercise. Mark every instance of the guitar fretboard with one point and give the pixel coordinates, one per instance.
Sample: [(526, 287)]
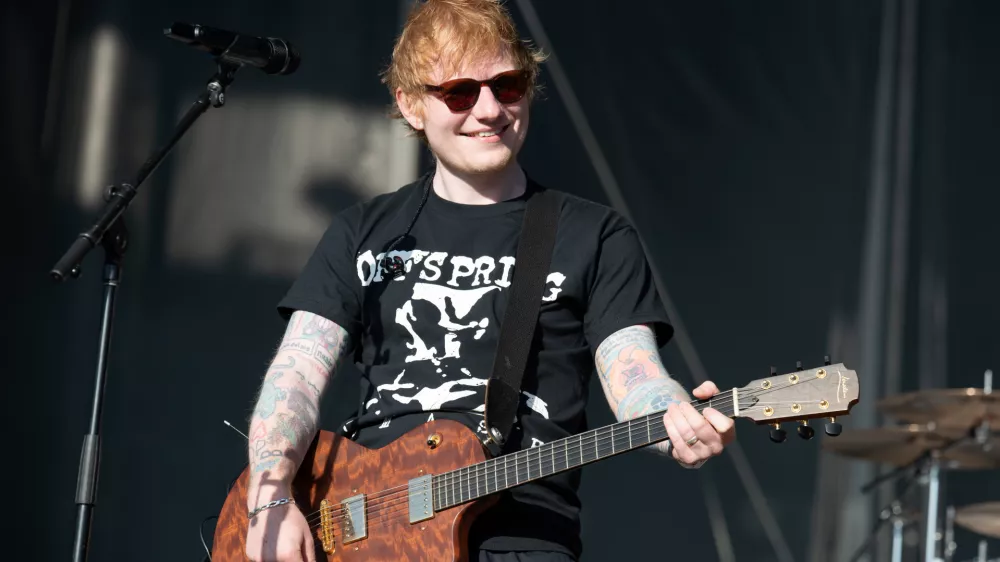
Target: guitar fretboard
[(507, 471)]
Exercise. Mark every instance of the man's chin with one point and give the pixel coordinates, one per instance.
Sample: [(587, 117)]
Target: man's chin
[(491, 165)]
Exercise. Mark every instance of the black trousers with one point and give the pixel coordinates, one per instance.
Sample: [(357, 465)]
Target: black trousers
[(533, 556)]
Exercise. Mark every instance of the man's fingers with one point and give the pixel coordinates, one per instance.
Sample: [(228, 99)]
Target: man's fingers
[(679, 417), (704, 431), (705, 390), (722, 423), (681, 450)]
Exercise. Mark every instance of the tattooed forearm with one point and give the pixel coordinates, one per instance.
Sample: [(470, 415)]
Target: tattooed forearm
[(651, 396), (627, 359), (633, 377), (286, 416), (315, 337)]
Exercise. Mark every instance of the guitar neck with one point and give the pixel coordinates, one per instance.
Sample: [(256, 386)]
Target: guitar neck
[(501, 473)]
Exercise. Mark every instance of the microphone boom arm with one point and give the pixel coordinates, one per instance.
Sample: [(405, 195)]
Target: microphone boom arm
[(119, 197)]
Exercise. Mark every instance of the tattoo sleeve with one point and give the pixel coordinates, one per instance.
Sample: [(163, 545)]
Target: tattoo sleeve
[(633, 378), (284, 420)]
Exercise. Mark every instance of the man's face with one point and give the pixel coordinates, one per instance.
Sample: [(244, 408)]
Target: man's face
[(481, 140)]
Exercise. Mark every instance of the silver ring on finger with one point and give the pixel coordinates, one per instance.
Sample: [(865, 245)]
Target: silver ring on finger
[(692, 441)]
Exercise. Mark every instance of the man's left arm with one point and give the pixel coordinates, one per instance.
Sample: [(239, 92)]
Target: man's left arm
[(635, 383)]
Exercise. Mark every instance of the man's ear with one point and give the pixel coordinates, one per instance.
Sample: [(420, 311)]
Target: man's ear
[(411, 109)]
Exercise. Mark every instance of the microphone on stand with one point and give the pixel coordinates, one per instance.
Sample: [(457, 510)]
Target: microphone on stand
[(270, 54)]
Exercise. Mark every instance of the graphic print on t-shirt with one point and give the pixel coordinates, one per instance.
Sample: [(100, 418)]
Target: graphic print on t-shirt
[(448, 309)]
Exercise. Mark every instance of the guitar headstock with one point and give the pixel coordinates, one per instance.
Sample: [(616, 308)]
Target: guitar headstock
[(822, 392)]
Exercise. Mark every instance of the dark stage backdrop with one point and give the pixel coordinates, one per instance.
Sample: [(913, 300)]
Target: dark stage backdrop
[(742, 139)]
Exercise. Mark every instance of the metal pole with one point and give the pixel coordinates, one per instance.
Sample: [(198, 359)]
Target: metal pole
[(930, 535), (897, 539)]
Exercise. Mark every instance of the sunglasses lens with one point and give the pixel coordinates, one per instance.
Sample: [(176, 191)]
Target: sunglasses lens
[(510, 88), (461, 96)]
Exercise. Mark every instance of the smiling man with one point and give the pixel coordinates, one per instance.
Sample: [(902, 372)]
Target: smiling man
[(412, 286)]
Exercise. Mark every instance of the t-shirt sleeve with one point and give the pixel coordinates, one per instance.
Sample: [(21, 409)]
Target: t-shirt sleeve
[(623, 293), (328, 284)]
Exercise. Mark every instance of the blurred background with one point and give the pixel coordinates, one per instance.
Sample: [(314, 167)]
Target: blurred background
[(810, 178)]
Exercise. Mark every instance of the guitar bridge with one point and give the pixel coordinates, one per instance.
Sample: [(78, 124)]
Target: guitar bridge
[(326, 528), (355, 524)]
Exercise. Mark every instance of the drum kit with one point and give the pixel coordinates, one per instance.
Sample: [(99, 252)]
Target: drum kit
[(940, 429)]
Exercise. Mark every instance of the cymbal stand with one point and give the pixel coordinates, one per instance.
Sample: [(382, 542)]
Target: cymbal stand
[(892, 512), (898, 523), (949, 534), (933, 490)]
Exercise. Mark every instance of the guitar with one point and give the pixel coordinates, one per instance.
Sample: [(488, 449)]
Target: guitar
[(416, 498)]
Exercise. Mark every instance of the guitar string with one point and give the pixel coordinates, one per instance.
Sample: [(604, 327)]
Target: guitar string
[(387, 513), (465, 480), (390, 508), (601, 436)]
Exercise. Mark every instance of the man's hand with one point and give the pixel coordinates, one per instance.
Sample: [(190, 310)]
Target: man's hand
[(280, 534), (697, 437)]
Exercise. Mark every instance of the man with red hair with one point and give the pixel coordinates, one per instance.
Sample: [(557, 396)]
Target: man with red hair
[(412, 286)]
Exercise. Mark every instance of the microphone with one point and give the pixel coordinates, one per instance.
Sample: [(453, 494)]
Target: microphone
[(272, 55)]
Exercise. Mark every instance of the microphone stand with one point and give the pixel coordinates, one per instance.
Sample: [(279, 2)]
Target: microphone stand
[(110, 232)]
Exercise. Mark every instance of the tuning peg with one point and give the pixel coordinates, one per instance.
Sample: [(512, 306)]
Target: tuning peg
[(777, 434), (805, 431), (833, 427), (798, 365), (826, 359)]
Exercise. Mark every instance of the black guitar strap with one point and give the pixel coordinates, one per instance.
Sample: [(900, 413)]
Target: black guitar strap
[(534, 253)]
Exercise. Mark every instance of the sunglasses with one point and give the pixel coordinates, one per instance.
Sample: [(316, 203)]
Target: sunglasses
[(462, 94)]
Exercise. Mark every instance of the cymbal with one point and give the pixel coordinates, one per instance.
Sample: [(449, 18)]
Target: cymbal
[(900, 446), (953, 408), (982, 518)]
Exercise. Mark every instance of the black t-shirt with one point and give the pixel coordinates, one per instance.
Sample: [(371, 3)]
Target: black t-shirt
[(427, 340)]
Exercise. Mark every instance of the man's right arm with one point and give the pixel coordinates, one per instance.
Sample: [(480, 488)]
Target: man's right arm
[(285, 419)]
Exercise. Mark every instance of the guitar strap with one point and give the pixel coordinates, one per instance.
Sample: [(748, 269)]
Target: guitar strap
[(534, 253)]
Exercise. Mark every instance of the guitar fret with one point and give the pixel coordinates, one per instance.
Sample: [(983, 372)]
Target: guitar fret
[(566, 452), (629, 429), (505, 482)]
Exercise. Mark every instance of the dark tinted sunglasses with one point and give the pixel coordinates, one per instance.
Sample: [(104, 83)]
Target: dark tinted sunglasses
[(462, 94)]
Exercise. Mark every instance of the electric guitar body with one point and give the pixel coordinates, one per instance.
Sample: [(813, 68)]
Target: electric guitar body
[(342, 469)]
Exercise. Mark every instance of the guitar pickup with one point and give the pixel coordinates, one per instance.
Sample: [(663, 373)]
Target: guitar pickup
[(355, 525), (421, 499)]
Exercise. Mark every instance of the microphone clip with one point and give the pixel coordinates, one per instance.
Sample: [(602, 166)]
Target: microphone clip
[(394, 266)]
